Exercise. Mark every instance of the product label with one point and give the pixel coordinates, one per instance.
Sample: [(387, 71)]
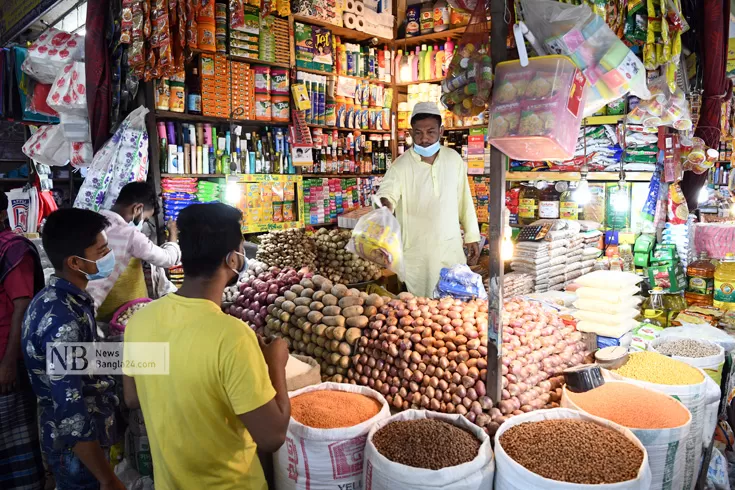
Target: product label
[(194, 103), (527, 208), (569, 210), (548, 209), (427, 20), (701, 285), (724, 291)]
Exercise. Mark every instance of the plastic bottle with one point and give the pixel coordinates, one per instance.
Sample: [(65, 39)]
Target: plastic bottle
[(724, 292), (439, 63), (549, 203), (427, 18), (430, 63), (448, 54), (399, 59), (652, 310), (528, 205), (388, 71), (414, 60), (626, 255), (616, 264), (700, 281), (568, 207), (422, 62), (441, 16)]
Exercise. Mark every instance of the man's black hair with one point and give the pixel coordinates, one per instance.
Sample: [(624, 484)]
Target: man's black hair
[(421, 117), (207, 233), (69, 231), (137, 193), (3, 201)]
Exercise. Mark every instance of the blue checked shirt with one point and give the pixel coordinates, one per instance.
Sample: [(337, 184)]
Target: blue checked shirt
[(72, 408)]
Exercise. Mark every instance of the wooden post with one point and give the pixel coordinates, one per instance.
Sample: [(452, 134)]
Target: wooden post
[(496, 207)]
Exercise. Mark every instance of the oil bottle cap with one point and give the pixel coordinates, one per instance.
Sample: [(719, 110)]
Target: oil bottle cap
[(730, 256)]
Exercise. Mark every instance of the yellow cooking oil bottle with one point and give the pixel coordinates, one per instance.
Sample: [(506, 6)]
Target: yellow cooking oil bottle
[(724, 297)]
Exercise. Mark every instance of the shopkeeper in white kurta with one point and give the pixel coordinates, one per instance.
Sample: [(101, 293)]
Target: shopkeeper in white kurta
[(427, 188)]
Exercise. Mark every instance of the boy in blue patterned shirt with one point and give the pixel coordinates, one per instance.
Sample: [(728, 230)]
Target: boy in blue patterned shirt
[(77, 412)]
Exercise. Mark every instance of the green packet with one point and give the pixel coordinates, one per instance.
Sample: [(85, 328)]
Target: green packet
[(643, 335)]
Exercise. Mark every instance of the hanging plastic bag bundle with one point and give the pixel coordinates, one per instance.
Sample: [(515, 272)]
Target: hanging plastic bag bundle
[(611, 69), (377, 238), (466, 88)]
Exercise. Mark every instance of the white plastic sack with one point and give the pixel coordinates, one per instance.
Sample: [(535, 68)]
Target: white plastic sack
[(68, 94), (665, 447), (694, 397), (48, 146), (512, 476), (325, 459), (711, 365), (612, 70), (122, 159), (383, 474), (377, 238), (53, 50)]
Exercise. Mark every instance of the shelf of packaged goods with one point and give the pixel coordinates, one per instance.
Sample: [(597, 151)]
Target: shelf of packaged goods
[(339, 176), (599, 120), (343, 32), (378, 131), (331, 73), (464, 128), (199, 176), (181, 116), (245, 59), (434, 36), (417, 82), (592, 176)]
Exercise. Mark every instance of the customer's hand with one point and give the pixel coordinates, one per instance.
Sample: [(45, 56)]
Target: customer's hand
[(8, 375), (275, 353), (473, 253), (173, 230)]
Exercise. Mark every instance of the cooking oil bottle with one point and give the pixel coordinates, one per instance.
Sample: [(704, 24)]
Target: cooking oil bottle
[(653, 311), (724, 293), (700, 281), (528, 202)]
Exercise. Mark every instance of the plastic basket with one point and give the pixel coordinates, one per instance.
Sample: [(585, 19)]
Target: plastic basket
[(115, 326)]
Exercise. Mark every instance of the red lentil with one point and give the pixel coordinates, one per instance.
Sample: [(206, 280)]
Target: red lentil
[(632, 406), (325, 409)]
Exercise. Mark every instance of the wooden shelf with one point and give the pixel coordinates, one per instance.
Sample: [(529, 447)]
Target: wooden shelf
[(599, 120), (199, 176), (463, 128), (244, 59), (344, 32), (334, 74), (179, 116), (591, 176), (339, 176), (406, 84), (434, 36), (377, 131)]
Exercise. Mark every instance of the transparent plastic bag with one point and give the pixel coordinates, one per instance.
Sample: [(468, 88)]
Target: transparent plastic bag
[(612, 70), (377, 238), (466, 88)]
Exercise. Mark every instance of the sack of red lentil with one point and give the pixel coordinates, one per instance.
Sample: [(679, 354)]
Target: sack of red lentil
[(658, 372), (663, 424), (588, 448), (326, 437), (420, 449)]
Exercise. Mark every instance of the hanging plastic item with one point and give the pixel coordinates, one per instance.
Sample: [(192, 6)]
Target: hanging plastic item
[(611, 69), (464, 5), (466, 88)]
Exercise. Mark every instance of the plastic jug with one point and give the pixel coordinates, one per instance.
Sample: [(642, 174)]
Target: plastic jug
[(700, 281), (724, 293)]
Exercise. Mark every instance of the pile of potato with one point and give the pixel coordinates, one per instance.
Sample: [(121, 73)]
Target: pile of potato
[(287, 248), (339, 265), (432, 354), (323, 320)]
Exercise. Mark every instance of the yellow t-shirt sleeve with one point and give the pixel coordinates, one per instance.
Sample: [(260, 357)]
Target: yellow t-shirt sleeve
[(244, 372)]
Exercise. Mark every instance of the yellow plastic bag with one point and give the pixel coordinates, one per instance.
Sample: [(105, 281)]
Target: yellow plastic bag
[(377, 238)]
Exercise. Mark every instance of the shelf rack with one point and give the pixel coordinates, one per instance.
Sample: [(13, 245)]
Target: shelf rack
[(350, 130), (344, 32), (574, 176)]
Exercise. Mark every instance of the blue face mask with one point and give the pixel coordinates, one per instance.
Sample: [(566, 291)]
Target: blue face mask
[(138, 226), (427, 151), (105, 266)]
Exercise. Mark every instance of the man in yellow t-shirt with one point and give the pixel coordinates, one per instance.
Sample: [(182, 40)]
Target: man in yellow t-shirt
[(225, 394)]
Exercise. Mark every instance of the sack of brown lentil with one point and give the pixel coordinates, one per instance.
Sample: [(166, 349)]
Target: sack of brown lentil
[(687, 384), (420, 449), (562, 449), (659, 421), (326, 437)]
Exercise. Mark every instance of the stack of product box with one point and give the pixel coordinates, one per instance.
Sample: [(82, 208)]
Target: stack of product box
[(326, 199), (216, 90), (243, 91)]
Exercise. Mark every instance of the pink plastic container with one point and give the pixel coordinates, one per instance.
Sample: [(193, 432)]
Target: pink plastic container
[(118, 327), (537, 109)]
